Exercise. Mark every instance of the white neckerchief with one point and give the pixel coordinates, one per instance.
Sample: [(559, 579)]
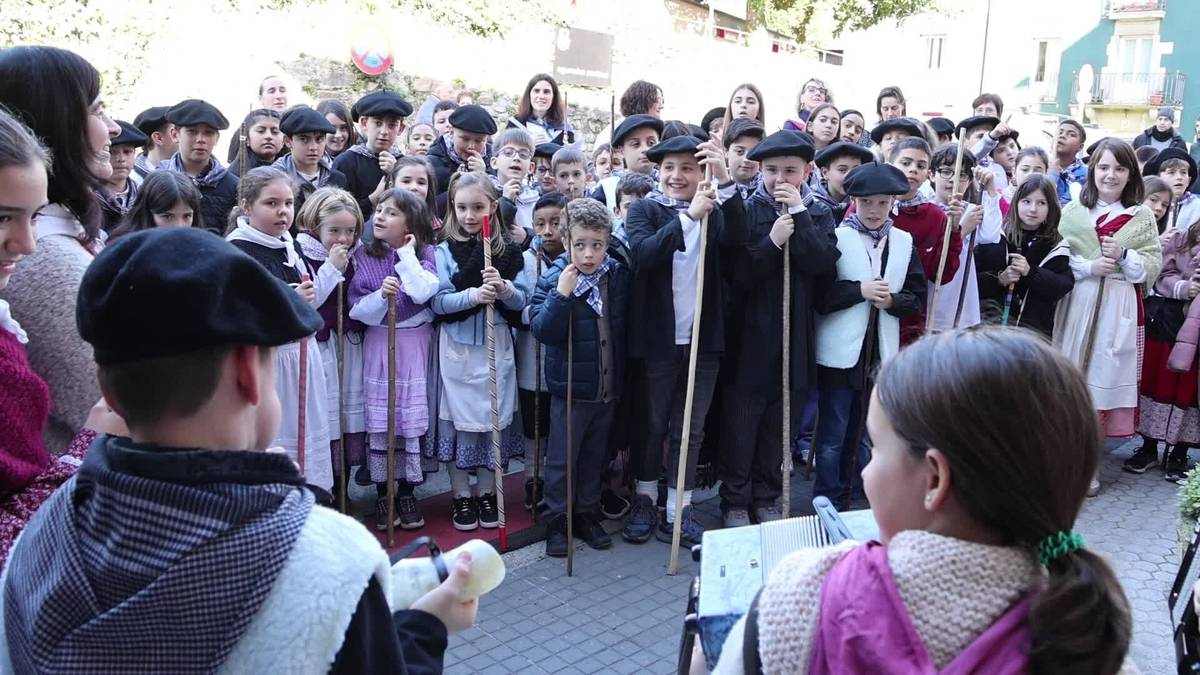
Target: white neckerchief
[(245, 232), (8, 323)]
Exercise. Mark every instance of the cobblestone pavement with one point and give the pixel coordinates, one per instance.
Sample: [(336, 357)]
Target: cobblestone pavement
[(621, 613)]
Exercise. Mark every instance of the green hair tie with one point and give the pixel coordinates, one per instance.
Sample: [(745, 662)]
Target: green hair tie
[(1057, 545)]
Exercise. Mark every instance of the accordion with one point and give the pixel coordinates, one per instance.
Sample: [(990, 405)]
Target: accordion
[(735, 562)]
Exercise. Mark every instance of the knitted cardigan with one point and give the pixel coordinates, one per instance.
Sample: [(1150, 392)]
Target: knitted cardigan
[(953, 591), (24, 406), (42, 293)]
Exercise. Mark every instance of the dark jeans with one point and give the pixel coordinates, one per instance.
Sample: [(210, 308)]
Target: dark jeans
[(751, 450), (666, 389), (837, 427), (590, 423)]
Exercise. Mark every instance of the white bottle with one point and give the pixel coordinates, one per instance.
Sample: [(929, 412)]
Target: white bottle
[(414, 577)]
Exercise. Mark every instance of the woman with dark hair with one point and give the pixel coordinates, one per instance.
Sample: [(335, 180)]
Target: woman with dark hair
[(57, 94), (952, 490), (542, 112), (264, 141), (167, 199), (344, 133), (642, 98)]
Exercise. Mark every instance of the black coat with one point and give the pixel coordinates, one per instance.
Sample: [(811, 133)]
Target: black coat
[(1146, 136), (217, 200), (754, 337), (551, 314), (1036, 295), (362, 177), (655, 233)]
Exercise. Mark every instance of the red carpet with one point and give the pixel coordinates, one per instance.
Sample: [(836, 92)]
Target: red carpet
[(521, 529)]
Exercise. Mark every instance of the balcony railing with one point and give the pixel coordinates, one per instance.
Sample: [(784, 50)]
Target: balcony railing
[(1137, 89), (1123, 9)]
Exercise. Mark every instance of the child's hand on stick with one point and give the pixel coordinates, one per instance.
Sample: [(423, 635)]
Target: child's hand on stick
[(782, 230), (339, 255), (306, 291), (390, 287), (703, 203), (568, 280)]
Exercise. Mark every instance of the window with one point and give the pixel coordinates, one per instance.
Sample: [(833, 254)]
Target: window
[(934, 45)]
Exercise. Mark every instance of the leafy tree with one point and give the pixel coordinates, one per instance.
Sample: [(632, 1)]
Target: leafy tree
[(802, 18)]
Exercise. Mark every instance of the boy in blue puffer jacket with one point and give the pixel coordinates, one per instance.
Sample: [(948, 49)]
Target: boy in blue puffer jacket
[(584, 298)]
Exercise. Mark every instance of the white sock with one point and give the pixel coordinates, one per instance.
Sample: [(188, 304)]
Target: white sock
[(671, 493), (460, 482), (485, 482), (648, 488)]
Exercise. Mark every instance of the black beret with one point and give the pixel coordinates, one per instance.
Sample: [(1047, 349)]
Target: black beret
[(698, 131), (629, 124), (711, 115), (174, 290), (1091, 149), (546, 149), (193, 112), (843, 149), (875, 179), (899, 124), (942, 125), (304, 120), (130, 135), (151, 120), (686, 144), (977, 121), (381, 104), (785, 143), (1155, 165), (473, 119)]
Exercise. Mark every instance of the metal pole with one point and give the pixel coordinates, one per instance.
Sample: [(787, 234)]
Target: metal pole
[(987, 23)]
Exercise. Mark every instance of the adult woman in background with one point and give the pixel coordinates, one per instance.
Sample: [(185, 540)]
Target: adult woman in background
[(543, 112), (57, 94)]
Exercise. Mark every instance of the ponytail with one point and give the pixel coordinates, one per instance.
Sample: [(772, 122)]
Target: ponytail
[(1080, 618)]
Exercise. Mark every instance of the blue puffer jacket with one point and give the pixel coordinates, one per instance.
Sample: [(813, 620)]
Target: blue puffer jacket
[(549, 316)]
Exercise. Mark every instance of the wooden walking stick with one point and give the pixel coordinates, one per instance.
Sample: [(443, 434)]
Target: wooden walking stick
[(681, 474), (1090, 343), (391, 423), (491, 342), (302, 412), (785, 468), (937, 282), (341, 359), (537, 404), (570, 445)]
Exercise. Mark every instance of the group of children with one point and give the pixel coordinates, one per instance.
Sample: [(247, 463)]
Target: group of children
[(594, 263)]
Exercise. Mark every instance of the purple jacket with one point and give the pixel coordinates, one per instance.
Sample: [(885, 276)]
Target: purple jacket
[(865, 628), (369, 273)]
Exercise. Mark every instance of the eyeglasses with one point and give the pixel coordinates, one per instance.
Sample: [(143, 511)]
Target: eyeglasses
[(513, 152), (542, 170), (948, 172), (814, 89)]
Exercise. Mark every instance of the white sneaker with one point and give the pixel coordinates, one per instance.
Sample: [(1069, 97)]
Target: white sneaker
[(1094, 487)]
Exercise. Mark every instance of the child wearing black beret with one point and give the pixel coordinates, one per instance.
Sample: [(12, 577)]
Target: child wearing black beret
[(199, 125), (381, 117), (784, 219), (305, 132)]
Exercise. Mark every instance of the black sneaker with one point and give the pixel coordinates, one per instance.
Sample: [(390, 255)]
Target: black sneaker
[(489, 513), (640, 525), (1177, 465), (410, 515), (690, 530), (556, 536), (612, 505), (1144, 459), (589, 529), (381, 515), (533, 495), (363, 475), (464, 514)]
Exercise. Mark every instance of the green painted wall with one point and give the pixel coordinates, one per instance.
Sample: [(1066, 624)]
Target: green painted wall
[(1092, 49), (1179, 26)]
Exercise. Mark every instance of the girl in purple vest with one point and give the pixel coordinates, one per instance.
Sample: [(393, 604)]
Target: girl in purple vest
[(977, 569)]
